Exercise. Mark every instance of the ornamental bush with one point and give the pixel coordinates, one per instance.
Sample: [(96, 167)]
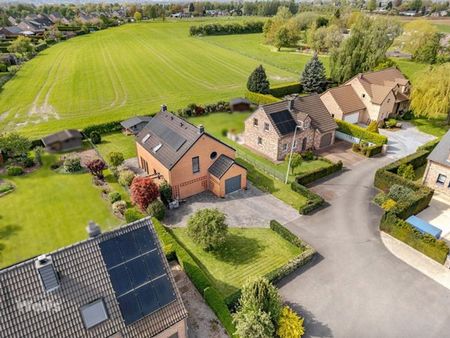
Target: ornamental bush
[(72, 164), (388, 204), (96, 168), (14, 170), (95, 137), (126, 177), (143, 191), (399, 192), (132, 215), (119, 207), (207, 228), (290, 324), (406, 171), (253, 323), (157, 210), (165, 192), (114, 197), (115, 158), (373, 127)]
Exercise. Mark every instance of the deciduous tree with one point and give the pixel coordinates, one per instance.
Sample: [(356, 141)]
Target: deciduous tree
[(207, 228), (15, 145), (143, 191), (22, 45), (137, 16)]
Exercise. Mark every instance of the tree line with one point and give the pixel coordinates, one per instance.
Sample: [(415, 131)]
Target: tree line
[(228, 28)]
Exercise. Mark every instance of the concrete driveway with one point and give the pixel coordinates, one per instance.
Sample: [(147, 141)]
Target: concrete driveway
[(355, 287), (438, 213), (342, 151), (245, 208)]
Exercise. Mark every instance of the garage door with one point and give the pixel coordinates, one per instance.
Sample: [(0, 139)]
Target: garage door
[(352, 118), (232, 184), (326, 140)]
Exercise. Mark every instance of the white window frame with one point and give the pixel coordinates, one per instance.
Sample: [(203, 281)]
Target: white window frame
[(266, 125), (255, 122), (259, 141), (438, 181)]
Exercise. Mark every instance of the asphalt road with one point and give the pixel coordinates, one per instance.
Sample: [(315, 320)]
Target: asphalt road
[(355, 287)]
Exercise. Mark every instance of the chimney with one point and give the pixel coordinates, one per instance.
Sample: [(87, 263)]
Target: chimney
[(291, 104), (163, 107), (93, 229), (201, 129), (47, 273)]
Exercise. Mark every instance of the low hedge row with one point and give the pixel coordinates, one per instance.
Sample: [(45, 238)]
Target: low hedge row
[(417, 159), (429, 146), (361, 133), (216, 303), (405, 232), (316, 174), (260, 98), (286, 89), (367, 151), (103, 128), (228, 28), (314, 200), (286, 234)]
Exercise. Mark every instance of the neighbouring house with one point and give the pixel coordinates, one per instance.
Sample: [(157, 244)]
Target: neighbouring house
[(31, 26), (437, 172), (271, 128), (64, 140), (240, 104), (135, 124), (188, 158), (114, 284), (11, 31), (372, 96)]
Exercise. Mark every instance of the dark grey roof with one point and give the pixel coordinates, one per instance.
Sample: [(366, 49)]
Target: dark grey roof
[(239, 100), (83, 279), (134, 121), (221, 166), (62, 136), (13, 29), (441, 153)]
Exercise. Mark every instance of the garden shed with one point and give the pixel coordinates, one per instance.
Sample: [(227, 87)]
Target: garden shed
[(135, 124), (240, 104), (64, 140)]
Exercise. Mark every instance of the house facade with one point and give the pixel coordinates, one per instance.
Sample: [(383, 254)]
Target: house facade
[(188, 158), (437, 172), (270, 130)]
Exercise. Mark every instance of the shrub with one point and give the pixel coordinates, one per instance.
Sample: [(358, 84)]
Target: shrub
[(207, 228), (114, 197), (132, 215), (253, 323), (103, 128), (406, 171), (314, 200), (119, 207), (5, 187), (308, 155), (391, 123), (157, 209), (257, 81), (14, 170), (224, 132), (399, 192), (96, 168), (115, 158), (361, 133), (260, 98), (380, 198), (27, 162), (373, 127), (72, 164), (165, 192), (286, 89), (95, 137), (313, 175), (38, 155), (143, 191), (126, 177), (388, 204), (290, 324)]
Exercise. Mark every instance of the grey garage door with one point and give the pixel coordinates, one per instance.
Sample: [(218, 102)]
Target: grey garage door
[(232, 184), (326, 140)]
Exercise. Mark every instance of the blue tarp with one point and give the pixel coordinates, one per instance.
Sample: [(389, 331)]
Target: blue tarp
[(424, 227)]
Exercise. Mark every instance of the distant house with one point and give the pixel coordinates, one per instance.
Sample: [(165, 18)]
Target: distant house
[(31, 26), (344, 104), (437, 173), (58, 18), (12, 21), (240, 104), (11, 31), (188, 158), (41, 19), (114, 284), (64, 140), (84, 18), (271, 128), (135, 124)]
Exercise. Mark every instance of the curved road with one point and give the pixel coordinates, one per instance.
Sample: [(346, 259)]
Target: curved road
[(355, 287)]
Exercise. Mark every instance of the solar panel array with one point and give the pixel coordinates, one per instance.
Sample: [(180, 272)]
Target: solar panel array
[(284, 122), (171, 138), (137, 274)]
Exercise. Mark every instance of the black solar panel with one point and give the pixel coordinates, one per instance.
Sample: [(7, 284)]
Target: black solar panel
[(284, 122), (137, 274), (169, 137)]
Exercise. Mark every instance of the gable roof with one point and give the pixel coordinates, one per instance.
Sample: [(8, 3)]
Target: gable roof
[(346, 98), (221, 166), (13, 29), (62, 136), (441, 153), (313, 106), (83, 279), (168, 137), (135, 121)]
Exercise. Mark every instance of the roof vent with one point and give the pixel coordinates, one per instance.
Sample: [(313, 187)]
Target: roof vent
[(163, 107), (146, 137), (156, 148), (93, 229), (47, 273), (201, 129)]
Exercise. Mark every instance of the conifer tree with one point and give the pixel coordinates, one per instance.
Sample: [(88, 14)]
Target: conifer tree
[(313, 78), (258, 82)]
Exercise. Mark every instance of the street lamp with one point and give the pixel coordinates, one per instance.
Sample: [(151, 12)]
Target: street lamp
[(290, 154)]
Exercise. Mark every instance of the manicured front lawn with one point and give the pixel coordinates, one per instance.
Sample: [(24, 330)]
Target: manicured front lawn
[(48, 211), (117, 142), (247, 252), (436, 127)]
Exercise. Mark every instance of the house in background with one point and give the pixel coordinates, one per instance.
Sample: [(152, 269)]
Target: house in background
[(343, 103), (437, 173), (11, 31), (64, 140), (188, 158), (135, 124), (270, 129), (115, 284)]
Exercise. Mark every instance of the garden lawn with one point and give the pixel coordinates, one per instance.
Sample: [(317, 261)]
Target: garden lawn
[(117, 142), (48, 211), (436, 127), (410, 68), (247, 252)]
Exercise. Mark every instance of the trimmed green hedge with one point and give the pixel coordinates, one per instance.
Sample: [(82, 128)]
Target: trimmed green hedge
[(286, 89), (103, 128), (429, 146), (316, 174), (260, 98), (286, 234), (314, 200), (227, 28), (216, 303), (367, 151), (361, 133), (405, 232)]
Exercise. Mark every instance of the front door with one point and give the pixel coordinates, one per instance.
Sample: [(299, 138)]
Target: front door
[(304, 144)]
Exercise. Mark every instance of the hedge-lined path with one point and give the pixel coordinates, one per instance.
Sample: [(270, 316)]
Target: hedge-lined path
[(355, 287)]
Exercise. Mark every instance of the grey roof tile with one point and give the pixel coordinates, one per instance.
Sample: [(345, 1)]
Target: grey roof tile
[(441, 153)]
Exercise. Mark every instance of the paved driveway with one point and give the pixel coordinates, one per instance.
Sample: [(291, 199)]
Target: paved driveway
[(355, 287), (246, 208)]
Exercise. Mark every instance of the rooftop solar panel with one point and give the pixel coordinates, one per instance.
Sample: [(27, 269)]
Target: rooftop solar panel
[(169, 137), (284, 122)]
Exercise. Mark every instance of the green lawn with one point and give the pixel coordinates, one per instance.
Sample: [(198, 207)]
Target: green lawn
[(246, 253), (436, 127), (48, 211), (117, 142), (410, 68), (443, 28)]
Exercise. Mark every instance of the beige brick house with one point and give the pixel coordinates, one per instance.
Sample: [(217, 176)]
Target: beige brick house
[(369, 96), (437, 173), (270, 129)]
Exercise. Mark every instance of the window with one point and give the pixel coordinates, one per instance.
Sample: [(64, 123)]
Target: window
[(144, 165), (213, 155), (285, 147), (294, 145), (259, 140), (441, 179), (363, 95), (266, 126), (255, 122), (94, 313), (195, 164)]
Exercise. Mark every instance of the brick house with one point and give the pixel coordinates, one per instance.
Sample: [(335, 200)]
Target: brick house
[(188, 158), (270, 129), (437, 173), (383, 93)]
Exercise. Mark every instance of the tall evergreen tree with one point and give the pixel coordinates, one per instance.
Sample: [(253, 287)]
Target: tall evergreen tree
[(258, 82), (313, 78)]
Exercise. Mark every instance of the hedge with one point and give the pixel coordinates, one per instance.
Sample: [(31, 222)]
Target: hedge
[(103, 128), (405, 232), (260, 98), (429, 146), (286, 89), (216, 303), (318, 173), (361, 133), (286, 234), (314, 200), (228, 28), (367, 151)]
